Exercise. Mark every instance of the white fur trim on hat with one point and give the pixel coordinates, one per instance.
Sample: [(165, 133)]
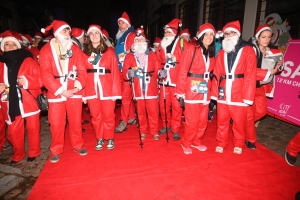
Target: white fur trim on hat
[(61, 28), (219, 34), (10, 38), (205, 30), (125, 20), (94, 27), (232, 29), (261, 30)]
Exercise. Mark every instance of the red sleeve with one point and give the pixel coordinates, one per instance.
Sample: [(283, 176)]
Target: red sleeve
[(127, 64), (34, 77), (116, 85), (217, 73)]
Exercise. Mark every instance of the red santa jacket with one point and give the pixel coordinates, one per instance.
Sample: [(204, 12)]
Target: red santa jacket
[(196, 85), (103, 77), (55, 80), (166, 61), (232, 90), (150, 73), (30, 71)]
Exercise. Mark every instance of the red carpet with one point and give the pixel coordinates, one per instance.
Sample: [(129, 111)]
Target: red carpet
[(162, 171)]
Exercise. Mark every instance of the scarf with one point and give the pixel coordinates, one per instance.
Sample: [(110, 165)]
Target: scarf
[(13, 60)]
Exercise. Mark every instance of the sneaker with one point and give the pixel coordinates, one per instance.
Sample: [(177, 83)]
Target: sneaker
[(291, 160), (143, 136), (200, 147), (55, 158), (121, 127), (164, 130), (237, 150), (7, 146), (156, 137), (250, 145), (81, 152), (110, 144), (99, 144), (187, 151), (176, 136), (132, 121), (210, 116), (219, 149)]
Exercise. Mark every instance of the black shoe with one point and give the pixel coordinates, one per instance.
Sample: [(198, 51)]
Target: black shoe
[(85, 122), (250, 145), (176, 136), (291, 160), (83, 130), (30, 159), (87, 111), (13, 162)]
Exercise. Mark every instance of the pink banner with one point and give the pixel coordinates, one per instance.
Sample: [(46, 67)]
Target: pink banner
[(286, 101)]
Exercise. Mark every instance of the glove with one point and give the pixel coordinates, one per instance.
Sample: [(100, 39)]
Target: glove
[(130, 73), (163, 73)]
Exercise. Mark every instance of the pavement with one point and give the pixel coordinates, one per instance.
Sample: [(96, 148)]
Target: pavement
[(17, 180)]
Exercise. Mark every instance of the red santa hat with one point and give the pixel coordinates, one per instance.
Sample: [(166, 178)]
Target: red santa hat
[(205, 28), (262, 28), (105, 33), (8, 36), (77, 33), (140, 33), (26, 38), (157, 41), (57, 26), (125, 18), (185, 32), (48, 37), (38, 35), (233, 26), (94, 27), (174, 25)]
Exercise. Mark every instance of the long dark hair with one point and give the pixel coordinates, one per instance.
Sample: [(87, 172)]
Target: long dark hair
[(211, 48), (101, 48)]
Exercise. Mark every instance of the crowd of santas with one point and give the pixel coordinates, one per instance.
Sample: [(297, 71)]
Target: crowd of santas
[(78, 66)]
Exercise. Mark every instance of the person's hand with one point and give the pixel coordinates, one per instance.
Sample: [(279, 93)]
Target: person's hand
[(84, 101), (130, 73), (74, 90), (67, 93), (21, 81), (163, 73), (2, 87)]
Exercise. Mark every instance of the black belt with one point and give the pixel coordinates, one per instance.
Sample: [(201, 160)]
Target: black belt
[(208, 75), (98, 70), (230, 76)]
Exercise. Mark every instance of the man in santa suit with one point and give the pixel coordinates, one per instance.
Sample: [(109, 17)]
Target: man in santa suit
[(27, 42), (265, 71), (292, 150), (169, 55), (156, 43), (107, 38), (64, 75), (125, 37), (78, 37), (235, 70), (142, 67), (185, 35), (38, 37)]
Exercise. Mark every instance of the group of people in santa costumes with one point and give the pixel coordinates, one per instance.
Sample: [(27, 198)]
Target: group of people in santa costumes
[(179, 72)]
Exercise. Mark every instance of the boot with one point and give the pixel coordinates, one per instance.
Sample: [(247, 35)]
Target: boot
[(121, 127)]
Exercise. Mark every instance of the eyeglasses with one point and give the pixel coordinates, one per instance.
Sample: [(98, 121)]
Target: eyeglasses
[(96, 33), (231, 33)]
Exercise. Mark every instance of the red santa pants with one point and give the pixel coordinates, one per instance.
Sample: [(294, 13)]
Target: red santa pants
[(2, 132), (103, 118), (16, 136), (238, 114), (171, 99), (293, 147), (127, 107), (195, 124), (57, 119), (148, 114), (254, 113)]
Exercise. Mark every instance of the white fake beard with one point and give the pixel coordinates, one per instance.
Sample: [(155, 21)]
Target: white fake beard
[(140, 47), (166, 41), (66, 44), (119, 34), (229, 43)]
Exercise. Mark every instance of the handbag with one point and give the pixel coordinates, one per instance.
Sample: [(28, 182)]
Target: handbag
[(42, 101)]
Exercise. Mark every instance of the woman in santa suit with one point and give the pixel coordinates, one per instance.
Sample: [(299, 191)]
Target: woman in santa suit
[(142, 66), (193, 85), (20, 84), (103, 86), (265, 80)]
